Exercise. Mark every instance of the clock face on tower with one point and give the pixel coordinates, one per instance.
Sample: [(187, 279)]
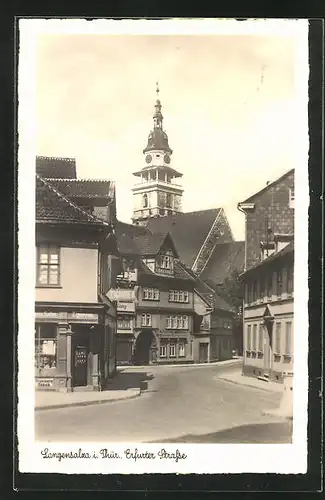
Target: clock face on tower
[(148, 158), (167, 158)]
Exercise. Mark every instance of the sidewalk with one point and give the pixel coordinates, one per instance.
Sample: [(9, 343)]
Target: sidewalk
[(238, 378), (233, 361), (48, 400)]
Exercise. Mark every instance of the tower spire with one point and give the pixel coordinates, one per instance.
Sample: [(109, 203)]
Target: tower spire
[(157, 116), (157, 138), (157, 194)]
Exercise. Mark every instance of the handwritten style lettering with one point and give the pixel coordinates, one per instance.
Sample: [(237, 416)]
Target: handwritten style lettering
[(176, 456), (136, 455)]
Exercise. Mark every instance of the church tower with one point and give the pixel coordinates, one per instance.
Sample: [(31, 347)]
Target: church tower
[(156, 194)]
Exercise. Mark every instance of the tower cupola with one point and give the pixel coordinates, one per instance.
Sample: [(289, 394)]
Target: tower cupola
[(157, 138), (156, 194)]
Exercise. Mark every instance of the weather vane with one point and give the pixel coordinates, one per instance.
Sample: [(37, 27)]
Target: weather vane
[(157, 89)]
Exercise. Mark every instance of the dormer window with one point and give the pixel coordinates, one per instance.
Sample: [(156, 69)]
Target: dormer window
[(166, 261), (267, 249)]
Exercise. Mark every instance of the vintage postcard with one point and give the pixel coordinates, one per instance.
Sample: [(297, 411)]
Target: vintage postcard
[(163, 240)]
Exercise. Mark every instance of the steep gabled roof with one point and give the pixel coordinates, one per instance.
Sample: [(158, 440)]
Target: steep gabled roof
[(225, 258), (130, 229), (208, 293), (53, 167), (53, 207), (84, 188), (268, 186), (188, 231), (125, 234), (150, 244), (179, 272)]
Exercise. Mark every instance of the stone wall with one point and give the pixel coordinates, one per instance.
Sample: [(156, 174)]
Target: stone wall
[(272, 208)]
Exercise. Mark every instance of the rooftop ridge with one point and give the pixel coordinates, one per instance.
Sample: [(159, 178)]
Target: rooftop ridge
[(185, 268), (251, 197), (78, 179), (193, 212), (73, 205), (56, 158)]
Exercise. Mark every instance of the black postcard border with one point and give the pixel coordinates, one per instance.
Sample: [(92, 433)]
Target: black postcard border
[(154, 483)]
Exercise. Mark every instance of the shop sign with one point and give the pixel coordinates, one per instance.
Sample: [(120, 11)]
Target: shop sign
[(79, 316), (51, 315), (125, 306), (72, 316), (120, 294), (45, 382)]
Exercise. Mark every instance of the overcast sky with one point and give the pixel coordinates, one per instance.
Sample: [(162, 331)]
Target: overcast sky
[(228, 106)]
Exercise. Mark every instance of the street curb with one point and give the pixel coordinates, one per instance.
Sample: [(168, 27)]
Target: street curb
[(182, 365), (246, 385), (86, 403)]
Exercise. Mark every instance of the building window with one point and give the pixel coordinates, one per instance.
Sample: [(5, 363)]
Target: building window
[(288, 348), (172, 350), (178, 296), (48, 265), (163, 350), (290, 279), (261, 338), (165, 261), (145, 201), (277, 340), (279, 282), (169, 200), (124, 323), (249, 345), (181, 349), (150, 294), (177, 322), (146, 319), (45, 346), (254, 339), (269, 285)]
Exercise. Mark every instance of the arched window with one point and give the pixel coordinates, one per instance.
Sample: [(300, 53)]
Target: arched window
[(145, 201)]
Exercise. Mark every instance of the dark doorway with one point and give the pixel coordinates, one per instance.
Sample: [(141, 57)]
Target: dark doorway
[(203, 352), (80, 366), (143, 344)]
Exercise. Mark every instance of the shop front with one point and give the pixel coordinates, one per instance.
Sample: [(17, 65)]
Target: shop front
[(73, 347), (125, 326)]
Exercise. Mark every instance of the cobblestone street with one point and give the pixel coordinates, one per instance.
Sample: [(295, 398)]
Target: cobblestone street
[(188, 404)]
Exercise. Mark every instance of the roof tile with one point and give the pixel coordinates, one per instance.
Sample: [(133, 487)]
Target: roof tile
[(149, 244), (53, 206), (225, 258), (84, 188), (188, 230), (49, 166)]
